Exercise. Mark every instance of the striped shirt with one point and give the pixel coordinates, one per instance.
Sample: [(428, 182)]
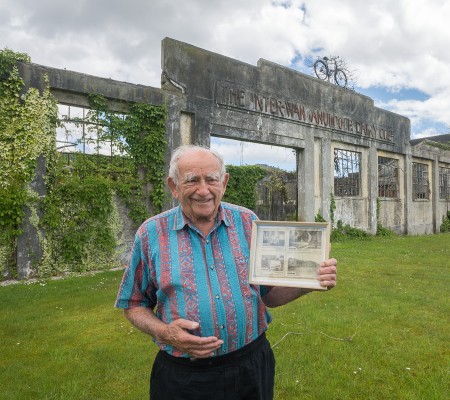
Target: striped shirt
[(174, 268)]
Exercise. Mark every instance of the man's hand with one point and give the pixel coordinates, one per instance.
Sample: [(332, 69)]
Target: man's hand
[(279, 295), (327, 273), (177, 335)]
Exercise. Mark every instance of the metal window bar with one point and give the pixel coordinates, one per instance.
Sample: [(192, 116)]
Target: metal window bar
[(347, 176), (444, 183), (87, 140), (421, 184), (388, 186)]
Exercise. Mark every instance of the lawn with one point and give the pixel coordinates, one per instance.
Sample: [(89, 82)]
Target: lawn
[(382, 333)]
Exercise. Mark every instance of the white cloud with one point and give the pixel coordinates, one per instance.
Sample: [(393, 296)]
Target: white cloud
[(396, 44), (236, 152)]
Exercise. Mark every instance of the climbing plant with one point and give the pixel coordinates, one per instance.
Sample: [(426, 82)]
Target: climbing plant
[(140, 134), (78, 214), (381, 230), (27, 130), (79, 208), (241, 188), (445, 226)]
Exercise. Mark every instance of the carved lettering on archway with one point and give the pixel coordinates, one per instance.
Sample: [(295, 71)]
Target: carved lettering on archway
[(235, 97)]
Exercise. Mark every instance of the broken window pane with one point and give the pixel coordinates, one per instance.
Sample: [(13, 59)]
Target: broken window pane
[(444, 183), (388, 177), (347, 173), (421, 184)]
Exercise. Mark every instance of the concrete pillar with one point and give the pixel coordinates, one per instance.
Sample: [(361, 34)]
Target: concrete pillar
[(408, 194), (325, 178), (373, 188), (435, 194), (29, 248), (305, 176)]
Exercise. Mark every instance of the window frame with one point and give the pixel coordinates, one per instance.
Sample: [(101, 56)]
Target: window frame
[(420, 184), (390, 190), (347, 182), (444, 183)]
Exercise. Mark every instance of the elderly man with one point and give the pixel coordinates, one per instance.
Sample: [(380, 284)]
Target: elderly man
[(187, 287)]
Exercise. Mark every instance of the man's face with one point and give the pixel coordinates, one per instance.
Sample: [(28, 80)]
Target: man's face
[(199, 188)]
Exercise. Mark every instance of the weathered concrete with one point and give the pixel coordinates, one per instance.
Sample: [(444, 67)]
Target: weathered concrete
[(207, 94), (29, 246), (275, 105)]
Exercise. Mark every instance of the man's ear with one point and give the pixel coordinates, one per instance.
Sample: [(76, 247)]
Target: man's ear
[(172, 187), (225, 181)]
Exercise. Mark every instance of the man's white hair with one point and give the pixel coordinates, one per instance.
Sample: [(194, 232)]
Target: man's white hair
[(190, 148)]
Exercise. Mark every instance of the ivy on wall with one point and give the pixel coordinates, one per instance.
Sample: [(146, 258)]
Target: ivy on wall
[(27, 130), (241, 188), (79, 216), (79, 235), (79, 208)]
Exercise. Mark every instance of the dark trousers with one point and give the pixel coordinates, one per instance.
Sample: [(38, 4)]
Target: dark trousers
[(245, 374)]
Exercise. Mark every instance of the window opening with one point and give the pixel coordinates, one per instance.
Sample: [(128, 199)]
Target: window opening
[(78, 136), (444, 183), (388, 186), (421, 184), (347, 173)]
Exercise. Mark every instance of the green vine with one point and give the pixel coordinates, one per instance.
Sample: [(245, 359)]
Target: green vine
[(332, 207), (76, 218), (445, 226), (140, 135), (318, 217), (241, 188), (79, 209), (78, 214), (381, 230), (27, 130)]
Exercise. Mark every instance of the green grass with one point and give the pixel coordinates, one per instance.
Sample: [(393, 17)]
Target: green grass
[(382, 333)]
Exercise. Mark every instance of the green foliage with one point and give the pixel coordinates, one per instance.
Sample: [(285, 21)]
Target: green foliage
[(141, 135), (66, 341), (78, 206), (78, 209), (144, 132), (319, 218), (381, 230), (27, 131), (276, 184), (344, 232), (332, 207), (76, 218), (445, 226), (241, 188)]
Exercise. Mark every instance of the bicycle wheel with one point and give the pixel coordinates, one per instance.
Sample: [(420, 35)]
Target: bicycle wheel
[(340, 78), (321, 69)]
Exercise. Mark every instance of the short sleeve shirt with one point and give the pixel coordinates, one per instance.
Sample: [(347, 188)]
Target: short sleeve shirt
[(179, 273)]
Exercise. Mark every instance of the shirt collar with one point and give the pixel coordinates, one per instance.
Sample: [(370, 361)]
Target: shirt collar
[(181, 220)]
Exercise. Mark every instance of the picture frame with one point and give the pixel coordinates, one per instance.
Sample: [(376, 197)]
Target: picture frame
[(288, 253)]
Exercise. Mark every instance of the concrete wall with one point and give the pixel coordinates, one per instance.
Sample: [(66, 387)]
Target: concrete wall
[(426, 215), (272, 104), (207, 94), (393, 211), (73, 88)]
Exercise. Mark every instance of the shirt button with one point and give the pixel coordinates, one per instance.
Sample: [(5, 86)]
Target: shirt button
[(217, 296), (211, 267), (222, 326), (207, 242)]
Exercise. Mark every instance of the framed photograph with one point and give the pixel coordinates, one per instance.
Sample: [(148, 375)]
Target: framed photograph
[(288, 253)]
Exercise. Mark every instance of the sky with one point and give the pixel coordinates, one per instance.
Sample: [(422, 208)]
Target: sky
[(397, 50)]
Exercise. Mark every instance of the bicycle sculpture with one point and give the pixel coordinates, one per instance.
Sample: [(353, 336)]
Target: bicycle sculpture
[(325, 68)]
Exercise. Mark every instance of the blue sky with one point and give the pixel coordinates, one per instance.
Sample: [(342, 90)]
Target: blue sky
[(397, 50)]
